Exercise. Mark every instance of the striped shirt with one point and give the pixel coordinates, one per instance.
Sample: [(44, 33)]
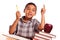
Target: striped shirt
[(27, 29)]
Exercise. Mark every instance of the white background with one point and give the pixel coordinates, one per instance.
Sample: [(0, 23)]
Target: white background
[(8, 10)]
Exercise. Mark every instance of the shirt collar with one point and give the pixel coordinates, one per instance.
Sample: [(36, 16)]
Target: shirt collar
[(24, 17)]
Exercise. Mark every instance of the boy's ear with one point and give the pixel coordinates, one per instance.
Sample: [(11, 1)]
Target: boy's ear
[(24, 10), (35, 14)]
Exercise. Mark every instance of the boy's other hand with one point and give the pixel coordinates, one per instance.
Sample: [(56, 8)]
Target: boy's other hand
[(43, 10), (18, 15)]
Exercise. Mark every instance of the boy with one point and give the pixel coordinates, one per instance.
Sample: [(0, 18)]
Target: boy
[(26, 26)]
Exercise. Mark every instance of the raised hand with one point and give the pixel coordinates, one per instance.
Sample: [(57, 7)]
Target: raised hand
[(43, 10), (18, 15)]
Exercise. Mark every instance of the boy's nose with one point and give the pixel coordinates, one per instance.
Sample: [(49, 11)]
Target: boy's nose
[(30, 11)]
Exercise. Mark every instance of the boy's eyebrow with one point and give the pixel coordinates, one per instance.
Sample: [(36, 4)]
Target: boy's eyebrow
[(33, 8)]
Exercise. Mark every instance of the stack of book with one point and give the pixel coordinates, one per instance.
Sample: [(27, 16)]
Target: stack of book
[(43, 36)]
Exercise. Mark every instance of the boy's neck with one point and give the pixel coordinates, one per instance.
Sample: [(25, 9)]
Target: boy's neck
[(26, 19)]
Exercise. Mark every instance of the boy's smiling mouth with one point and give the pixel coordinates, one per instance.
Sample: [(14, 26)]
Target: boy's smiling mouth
[(29, 14)]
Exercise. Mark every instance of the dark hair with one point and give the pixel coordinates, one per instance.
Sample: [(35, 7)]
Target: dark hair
[(31, 4)]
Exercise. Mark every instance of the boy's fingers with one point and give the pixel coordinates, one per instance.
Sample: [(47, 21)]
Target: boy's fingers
[(43, 8)]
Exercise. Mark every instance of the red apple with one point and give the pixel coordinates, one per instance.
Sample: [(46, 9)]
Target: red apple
[(48, 28)]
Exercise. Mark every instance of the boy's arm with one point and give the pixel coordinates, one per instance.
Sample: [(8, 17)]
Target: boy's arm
[(41, 26), (13, 26)]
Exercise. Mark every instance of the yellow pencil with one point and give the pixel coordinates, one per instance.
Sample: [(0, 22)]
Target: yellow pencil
[(17, 7)]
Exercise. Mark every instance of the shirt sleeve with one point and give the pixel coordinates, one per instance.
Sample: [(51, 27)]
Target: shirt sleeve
[(37, 23)]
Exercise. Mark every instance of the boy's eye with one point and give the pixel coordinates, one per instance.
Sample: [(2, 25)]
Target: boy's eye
[(28, 9), (33, 10)]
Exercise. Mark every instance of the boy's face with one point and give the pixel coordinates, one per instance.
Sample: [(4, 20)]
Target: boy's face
[(30, 11)]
